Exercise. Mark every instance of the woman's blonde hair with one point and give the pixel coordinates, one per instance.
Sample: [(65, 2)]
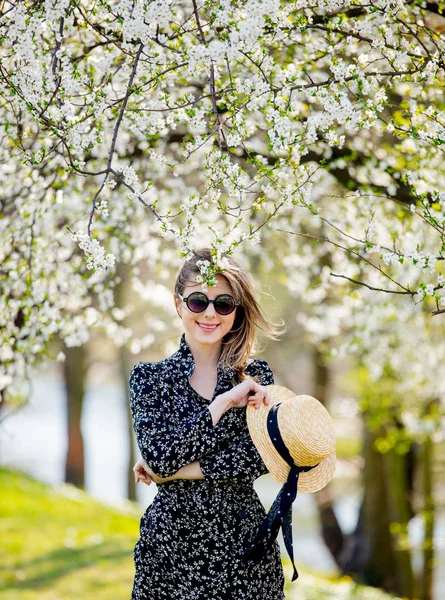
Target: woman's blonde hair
[(241, 341)]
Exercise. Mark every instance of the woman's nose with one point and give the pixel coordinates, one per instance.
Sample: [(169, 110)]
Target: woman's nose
[(210, 310)]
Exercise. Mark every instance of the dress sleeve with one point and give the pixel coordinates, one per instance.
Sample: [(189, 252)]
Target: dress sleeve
[(166, 449), (240, 459)]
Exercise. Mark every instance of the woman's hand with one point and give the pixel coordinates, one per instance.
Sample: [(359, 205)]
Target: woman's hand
[(247, 392), (142, 472)]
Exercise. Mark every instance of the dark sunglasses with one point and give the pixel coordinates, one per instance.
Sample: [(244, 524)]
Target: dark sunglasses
[(197, 302)]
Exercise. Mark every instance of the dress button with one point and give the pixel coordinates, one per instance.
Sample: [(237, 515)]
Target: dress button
[(242, 514)]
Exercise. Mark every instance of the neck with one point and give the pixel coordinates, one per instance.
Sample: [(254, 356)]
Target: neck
[(206, 356)]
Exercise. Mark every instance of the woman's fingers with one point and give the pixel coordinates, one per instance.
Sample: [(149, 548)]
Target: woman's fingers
[(143, 477), (261, 394), (253, 402), (138, 466), (261, 391), (140, 474), (258, 397)]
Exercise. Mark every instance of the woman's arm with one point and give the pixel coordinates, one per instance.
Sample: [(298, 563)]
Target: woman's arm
[(142, 472), (239, 459), (166, 449), (191, 471)]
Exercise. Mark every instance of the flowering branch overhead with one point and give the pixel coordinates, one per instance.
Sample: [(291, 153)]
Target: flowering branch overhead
[(216, 124)]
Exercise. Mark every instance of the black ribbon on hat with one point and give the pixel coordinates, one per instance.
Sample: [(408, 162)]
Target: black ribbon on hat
[(280, 513)]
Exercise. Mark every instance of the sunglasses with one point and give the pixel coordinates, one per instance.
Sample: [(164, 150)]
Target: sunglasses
[(197, 302)]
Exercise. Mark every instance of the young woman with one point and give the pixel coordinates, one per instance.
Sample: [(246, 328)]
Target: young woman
[(189, 416)]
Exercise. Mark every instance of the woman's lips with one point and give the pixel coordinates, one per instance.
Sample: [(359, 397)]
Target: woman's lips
[(208, 328)]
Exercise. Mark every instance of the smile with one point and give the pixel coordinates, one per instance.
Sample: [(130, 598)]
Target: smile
[(207, 327)]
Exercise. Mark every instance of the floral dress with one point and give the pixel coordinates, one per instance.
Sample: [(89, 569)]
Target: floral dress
[(193, 533)]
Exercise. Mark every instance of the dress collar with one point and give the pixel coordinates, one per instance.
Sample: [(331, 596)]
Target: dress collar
[(185, 363)]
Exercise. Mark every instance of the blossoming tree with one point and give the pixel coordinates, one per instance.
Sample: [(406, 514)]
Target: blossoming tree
[(197, 116)]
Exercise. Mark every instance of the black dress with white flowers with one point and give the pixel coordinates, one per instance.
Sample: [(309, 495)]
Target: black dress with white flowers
[(193, 533)]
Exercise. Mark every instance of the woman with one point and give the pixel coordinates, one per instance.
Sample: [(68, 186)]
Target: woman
[(189, 416)]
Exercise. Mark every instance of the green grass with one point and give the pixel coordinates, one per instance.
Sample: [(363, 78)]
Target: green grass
[(57, 543)]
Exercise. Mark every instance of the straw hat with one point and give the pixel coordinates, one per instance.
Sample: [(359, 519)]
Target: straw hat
[(307, 431)]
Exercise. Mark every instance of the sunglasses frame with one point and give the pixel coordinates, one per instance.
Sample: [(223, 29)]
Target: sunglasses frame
[(208, 302)]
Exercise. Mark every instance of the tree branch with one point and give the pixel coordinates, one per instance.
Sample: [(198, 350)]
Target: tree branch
[(115, 134)]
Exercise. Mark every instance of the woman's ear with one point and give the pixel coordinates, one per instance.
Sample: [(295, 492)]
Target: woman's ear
[(178, 305)]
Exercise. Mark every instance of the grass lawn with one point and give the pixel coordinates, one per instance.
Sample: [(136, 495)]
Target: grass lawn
[(57, 543)]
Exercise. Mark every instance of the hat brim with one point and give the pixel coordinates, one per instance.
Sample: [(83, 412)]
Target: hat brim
[(311, 481)]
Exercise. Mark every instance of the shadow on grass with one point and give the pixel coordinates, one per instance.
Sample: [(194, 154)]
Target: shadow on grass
[(62, 561)]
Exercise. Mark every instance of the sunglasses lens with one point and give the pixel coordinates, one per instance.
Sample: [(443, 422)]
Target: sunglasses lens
[(224, 305), (197, 302)]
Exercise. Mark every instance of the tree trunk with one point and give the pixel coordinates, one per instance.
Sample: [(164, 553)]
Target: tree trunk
[(372, 553), (125, 367), (125, 364), (378, 560), (399, 503), (426, 467), (429, 517), (330, 527), (74, 371), (367, 554)]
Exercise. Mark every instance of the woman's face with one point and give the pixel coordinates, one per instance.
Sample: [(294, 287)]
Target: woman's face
[(192, 321)]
